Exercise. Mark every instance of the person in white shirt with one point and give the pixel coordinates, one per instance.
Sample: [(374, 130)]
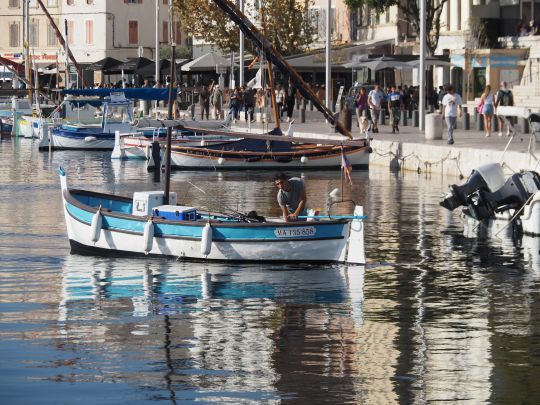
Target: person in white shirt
[(451, 109), (375, 98)]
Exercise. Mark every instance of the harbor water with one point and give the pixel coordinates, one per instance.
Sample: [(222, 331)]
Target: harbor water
[(444, 310)]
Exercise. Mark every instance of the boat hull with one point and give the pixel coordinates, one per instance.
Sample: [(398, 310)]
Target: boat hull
[(79, 140), (530, 220), (124, 235), (194, 160)]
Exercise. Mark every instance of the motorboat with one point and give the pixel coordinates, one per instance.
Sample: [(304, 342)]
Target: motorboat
[(94, 135), (147, 225)]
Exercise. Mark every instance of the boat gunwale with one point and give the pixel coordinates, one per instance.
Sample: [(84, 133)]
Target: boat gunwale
[(67, 194)]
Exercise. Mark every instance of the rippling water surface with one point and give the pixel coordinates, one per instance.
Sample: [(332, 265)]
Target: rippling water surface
[(443, 312)]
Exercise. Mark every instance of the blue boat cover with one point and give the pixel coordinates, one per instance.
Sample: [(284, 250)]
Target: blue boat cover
[(252, 145), (141, 93)]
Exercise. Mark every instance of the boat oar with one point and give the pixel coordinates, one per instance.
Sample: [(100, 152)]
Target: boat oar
[(333, 216)]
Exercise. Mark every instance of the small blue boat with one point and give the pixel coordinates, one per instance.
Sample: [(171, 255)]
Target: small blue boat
[(111, 225)]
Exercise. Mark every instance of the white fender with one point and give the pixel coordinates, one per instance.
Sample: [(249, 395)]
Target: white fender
[(90, 139), (304, 159), (221, 161), (203, 142), (95, 228), (206, 240), (148, 236), (355, 244)]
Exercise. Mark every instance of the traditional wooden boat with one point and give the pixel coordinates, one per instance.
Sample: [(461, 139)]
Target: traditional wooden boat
[(274, 155), (111, 225)]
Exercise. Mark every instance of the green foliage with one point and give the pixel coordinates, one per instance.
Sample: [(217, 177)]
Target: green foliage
[(287, 25)]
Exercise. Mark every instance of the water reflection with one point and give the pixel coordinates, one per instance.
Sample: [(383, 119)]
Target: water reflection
[(220, 326), (444, 310)]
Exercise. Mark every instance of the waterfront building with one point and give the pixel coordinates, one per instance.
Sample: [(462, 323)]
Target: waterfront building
[(96, 29)]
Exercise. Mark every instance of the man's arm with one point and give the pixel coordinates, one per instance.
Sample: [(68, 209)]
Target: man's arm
[(284, 213), (301, 206)]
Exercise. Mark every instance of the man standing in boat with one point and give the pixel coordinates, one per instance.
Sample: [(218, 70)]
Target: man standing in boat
[(291, 196)]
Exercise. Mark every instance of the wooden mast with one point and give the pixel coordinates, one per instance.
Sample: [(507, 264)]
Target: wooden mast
[(271, 81), (272, 55), (62, 42)]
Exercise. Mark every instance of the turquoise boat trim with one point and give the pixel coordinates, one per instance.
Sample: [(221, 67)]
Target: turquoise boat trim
[(191, 230)]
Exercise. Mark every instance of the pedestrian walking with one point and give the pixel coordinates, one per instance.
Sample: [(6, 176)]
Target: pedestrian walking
[(204, 100), (504, 98), (216, 99), (375, 98), (249, 103), (450, 109), (290, 100), (488, 108), (280, 100), (361, 105), (394, 106)]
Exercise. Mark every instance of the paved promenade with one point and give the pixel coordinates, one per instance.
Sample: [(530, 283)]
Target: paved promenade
[(411, 151)]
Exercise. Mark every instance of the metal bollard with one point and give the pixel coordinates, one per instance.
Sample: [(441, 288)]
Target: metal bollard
[(465, 110), (303, 112), (466, 119), (310, 105), (475, 115), (382, 116), (403, 118), (410, 111), (192, 108), (480, 122), (494, 123), (415, 118), (431, 109), (524, 125)]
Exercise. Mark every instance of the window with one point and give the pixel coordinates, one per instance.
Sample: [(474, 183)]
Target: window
[(133, 32), (177, 32), (52, 3), (165, 32), (14, 34), (14, 3), (70, 32), (33, 33), (90, 2), (133, 1), (51, 35), (69, 2), (89, 32)]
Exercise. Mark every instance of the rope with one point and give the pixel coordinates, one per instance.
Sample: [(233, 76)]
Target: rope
[(420, 160)]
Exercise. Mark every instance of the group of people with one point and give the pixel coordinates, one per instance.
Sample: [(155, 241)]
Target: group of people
[(212, 98), (451, 109), (369, 105)]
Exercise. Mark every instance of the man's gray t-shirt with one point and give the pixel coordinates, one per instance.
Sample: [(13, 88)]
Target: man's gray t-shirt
[(291, 199)]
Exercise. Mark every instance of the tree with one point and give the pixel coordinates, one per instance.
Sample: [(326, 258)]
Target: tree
[(287, 24), (411, 12)]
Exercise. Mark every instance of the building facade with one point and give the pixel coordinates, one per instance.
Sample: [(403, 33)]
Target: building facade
[(95, 29)]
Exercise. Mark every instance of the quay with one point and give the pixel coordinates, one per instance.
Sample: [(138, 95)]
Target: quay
[(409, 150)]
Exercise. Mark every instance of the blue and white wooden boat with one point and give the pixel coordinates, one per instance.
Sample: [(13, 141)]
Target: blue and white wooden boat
[(117, 116), (106, 224)]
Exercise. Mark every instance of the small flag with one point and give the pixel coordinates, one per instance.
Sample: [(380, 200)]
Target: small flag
[(346, 167), (256, 82)]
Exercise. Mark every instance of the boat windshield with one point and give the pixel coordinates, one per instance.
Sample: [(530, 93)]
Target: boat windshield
[(119, 114)]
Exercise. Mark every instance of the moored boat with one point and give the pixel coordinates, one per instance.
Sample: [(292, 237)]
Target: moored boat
[(111, 225)]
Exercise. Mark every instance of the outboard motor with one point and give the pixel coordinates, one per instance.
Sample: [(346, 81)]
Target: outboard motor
[(486, 192)]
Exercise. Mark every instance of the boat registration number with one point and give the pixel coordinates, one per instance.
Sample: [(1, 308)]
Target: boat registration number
[(294, 232)]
